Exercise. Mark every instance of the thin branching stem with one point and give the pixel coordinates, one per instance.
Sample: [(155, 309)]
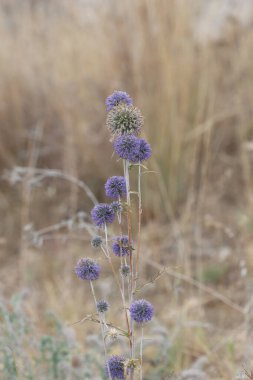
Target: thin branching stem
[(139, 226), (141, 352), (108, 256), (102, 326), (131, 276)]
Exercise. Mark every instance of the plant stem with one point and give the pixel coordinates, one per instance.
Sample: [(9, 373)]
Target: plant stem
[(122, 293), (139, 225), (141, 352), (102, 328), (131, 276)]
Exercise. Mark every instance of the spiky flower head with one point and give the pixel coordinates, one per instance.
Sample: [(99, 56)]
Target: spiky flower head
[(87, 269), (125, 270), (120, 246), (124, 119), (144, 152), (102, 214), (102, 306), (116, 207), (116, 98), (115, 367), (96, 242), (127, 147), (115, 187), (141, 311)]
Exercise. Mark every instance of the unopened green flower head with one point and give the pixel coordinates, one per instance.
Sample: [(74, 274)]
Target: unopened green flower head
[(124, 119), (96, 242), (125, 270), (116, 207), (102, 306)]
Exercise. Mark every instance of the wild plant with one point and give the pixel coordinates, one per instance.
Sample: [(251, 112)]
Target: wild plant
[(125, 123)]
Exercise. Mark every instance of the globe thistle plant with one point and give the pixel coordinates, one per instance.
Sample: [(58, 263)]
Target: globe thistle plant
[(124, 119), (102, 214), (117, 98), (87, 269), (115, 187), (124, 122)]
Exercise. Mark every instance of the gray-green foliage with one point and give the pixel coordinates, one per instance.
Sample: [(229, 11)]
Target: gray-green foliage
[(27, 354)]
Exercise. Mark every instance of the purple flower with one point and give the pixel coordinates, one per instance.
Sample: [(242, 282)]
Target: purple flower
[(102, 214), (141, 311), (116, 98), (102, 306), (120, 247), (115, 187), (115, 364), (87, 269), (127, 147), (124, 120), (144, 152)]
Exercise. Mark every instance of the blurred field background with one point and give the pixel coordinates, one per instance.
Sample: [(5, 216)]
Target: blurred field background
[(188, 67)]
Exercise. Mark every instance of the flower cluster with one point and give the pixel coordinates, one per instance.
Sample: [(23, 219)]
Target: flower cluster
[(124, 122)]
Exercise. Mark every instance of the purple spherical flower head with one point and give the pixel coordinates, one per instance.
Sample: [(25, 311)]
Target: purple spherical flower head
[(120, 247), (127, 146), (116, 98), (87, 269), (115, 367), (144, 152), (102, 214), (115, 187), (141, 311)]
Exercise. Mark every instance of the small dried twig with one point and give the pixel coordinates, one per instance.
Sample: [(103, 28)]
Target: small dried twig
[(249, 374), (36, 175), (202, 287), (153, 280), (93, 318)]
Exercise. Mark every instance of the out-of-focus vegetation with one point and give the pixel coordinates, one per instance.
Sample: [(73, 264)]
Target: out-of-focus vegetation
[(58, 61), (26, 353)]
